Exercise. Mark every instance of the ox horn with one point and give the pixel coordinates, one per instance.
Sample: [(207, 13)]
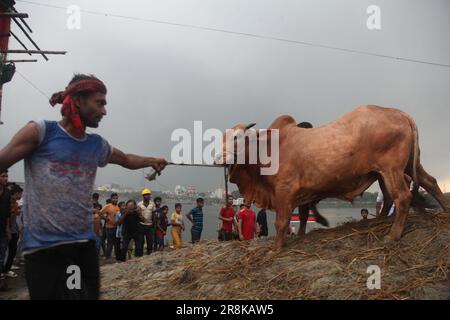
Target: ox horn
[(250, 125)]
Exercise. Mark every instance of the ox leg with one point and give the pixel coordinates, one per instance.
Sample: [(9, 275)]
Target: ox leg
[(387, 200), (283, 219), (429, 183), (399, 191), (319, 218), (303, 212)]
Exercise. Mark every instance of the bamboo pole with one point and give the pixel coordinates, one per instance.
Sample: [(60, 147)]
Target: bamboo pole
[(18, 40), (13, 15), (13, 10), (225, 175), (25, 60), (34, 51), (29, 38)]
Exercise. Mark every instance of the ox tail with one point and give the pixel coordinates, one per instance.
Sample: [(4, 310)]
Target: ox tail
[(319, 218), (415, 156)]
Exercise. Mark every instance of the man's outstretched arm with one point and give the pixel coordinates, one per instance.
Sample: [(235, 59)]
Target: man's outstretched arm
[(133, 162), (21, 145)]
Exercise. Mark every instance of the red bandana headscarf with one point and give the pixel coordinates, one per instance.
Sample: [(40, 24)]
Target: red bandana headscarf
[(69, 109)]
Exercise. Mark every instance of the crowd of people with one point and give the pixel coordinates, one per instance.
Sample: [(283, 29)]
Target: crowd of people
[(123, 228), (11, 226), (126, 228), (242, 223)]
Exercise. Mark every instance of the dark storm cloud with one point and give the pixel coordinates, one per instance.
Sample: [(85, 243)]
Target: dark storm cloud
[(162, 77)]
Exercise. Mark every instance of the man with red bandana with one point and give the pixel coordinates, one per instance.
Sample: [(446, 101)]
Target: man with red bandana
[(61, 162)]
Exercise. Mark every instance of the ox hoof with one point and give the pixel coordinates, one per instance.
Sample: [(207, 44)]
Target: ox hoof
[(391, 238), (387, 240), (271, 253), (277, 247), (395, 235)]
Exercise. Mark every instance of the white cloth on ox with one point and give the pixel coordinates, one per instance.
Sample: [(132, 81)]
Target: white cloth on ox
[(380, 199)]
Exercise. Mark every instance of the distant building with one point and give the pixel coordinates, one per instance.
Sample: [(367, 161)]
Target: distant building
[(104, 188), (114, 188), (191, 190), (180, 190), (219, 193)]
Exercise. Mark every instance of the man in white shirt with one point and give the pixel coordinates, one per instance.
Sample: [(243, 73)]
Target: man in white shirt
[(147, 206)]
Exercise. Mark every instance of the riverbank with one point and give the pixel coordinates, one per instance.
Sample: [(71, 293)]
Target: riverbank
[(324, 264)]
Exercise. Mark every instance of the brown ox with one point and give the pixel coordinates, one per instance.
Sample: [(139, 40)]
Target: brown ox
[(338, 160)]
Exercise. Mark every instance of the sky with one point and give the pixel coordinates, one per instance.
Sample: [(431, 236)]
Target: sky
[(164, 76)]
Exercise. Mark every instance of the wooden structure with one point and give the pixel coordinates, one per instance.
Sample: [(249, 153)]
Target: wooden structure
[(9, 14)]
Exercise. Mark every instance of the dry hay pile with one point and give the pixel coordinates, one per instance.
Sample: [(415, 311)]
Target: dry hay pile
[(324, 264)]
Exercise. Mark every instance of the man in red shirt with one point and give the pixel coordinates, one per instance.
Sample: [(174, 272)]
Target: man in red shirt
[(227, 216), (247, 223)]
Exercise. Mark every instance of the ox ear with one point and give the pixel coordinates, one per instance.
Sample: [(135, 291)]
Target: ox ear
[(250, 126)]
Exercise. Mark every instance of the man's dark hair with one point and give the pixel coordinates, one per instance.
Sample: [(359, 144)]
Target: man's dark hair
[(157, 198), (200, 200), (97, 206), (95, 195), (131, 200), (120, 203), (177, 205), (365, 210), (4, 171), (16, 189), (79, 76), (108, 201), (305, 125), (113, 195), (241, 206), (164, 207)]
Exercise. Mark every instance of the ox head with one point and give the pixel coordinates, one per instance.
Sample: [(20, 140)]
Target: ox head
[(236, 143), (243, 145)]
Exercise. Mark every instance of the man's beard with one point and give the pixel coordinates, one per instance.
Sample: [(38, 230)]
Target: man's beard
[(92, 125)]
